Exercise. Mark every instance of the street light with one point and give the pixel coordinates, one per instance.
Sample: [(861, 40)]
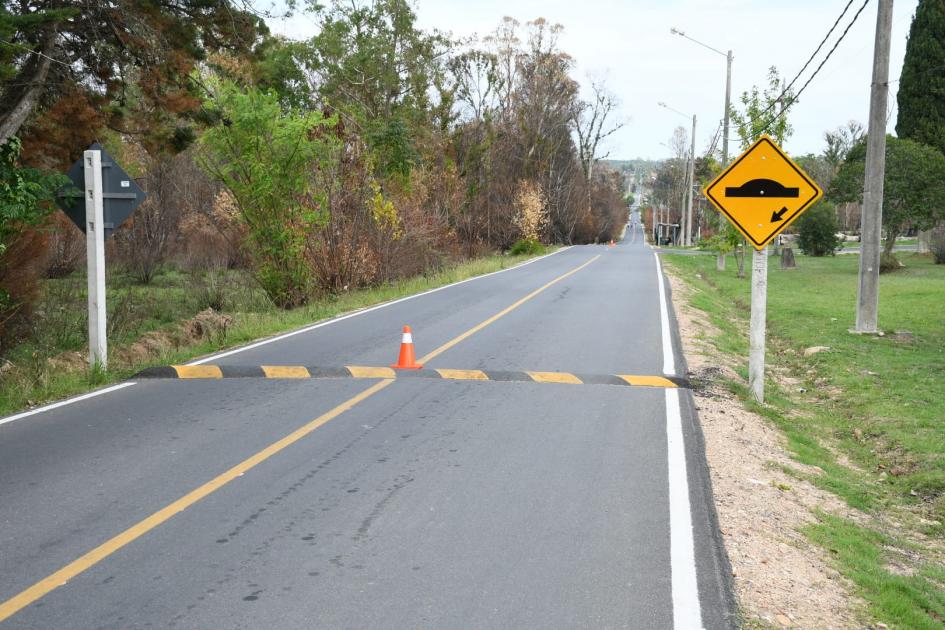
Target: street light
[(687, 218), (728, 88)]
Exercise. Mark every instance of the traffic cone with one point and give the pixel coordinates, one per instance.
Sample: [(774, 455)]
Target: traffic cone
[(406, 360)]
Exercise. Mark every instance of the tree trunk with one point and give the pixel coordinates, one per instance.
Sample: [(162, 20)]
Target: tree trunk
[(33, 77), (740, 258)]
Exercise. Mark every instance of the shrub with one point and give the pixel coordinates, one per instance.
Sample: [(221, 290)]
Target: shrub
[(527, 247), (817, 230), (888, 262), (267, 159)]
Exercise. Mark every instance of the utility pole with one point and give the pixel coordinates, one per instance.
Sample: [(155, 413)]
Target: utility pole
[(687, 237), (728, 98), (95, 251), (867, 297)]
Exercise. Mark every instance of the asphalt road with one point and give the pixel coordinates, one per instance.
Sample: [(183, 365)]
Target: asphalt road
[(407, 503)]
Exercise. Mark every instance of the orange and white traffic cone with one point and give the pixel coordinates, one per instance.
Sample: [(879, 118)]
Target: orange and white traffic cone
[(406, 360)]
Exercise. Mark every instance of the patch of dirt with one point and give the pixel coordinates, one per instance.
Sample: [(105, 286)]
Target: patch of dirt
[(780, 577), (208, 324)]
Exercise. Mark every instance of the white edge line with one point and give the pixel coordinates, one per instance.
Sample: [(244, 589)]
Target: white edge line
[(63, 403), (687, 610), (362, 311), (669, 363)]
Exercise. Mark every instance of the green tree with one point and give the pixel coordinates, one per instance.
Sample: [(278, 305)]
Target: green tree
[(914, 186), (817, 230), (268, 158), (763, 113), (25, 194), (921, 95)]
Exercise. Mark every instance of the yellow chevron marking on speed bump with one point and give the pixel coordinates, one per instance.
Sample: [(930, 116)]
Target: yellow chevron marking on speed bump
[(647, 381), (555, 377), (358, 371), (285, 371), (198, 371), (463, 375)]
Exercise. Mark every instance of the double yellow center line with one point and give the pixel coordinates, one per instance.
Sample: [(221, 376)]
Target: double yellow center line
[(91, 558)]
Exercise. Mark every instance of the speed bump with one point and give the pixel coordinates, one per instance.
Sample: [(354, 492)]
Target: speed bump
[(375, 372)]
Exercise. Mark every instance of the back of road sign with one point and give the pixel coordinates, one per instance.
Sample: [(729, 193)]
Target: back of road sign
[(763, 192), (120, 194)]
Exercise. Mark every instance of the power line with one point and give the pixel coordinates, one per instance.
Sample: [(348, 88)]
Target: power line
[(811, 78), (787, 89), (35, 52)]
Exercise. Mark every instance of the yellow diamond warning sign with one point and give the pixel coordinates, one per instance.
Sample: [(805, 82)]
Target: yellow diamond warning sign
[(763, 192)]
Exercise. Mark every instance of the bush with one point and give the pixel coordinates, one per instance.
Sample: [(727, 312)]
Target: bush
[(937, 244), (527, 247), (817, 230), (888, 262), (266, 158)]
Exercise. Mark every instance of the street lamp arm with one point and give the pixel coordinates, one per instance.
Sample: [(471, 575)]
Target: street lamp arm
[(676, 31)]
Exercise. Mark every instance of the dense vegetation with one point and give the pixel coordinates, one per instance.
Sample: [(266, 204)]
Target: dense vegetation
[(371, 152)]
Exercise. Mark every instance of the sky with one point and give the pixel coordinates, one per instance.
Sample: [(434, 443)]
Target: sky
[(628, 44)]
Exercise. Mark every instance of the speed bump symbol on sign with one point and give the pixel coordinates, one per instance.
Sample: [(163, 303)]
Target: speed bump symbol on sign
[(763, 192)]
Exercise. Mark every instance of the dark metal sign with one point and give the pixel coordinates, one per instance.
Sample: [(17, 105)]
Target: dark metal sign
[(121, 195)]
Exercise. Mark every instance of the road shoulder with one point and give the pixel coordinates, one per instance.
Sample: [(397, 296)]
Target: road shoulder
[(780, 578)]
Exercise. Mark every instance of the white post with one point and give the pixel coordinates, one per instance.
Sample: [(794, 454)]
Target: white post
[(756, 333), (95, 248)]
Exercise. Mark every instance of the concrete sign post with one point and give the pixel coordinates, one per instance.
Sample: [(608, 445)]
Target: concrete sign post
[(101, 196), (761, 194), (95, 248)]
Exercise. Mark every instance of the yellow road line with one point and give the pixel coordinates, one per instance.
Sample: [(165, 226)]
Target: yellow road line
[(74, 568), (197, 371), (555, 377), (647, 381), (285, 371), (463, 375), (472, 331), (358, 371)]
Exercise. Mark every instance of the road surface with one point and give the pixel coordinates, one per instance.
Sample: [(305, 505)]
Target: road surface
[(451, 502)]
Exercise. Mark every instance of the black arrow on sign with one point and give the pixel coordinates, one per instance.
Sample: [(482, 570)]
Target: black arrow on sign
[(779, 215)]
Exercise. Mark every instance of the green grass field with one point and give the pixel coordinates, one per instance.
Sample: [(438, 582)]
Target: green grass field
[(870, 412), (29, 378)]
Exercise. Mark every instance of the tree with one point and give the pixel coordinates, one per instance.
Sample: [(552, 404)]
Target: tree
[(132, 60), (764, 113), (922, 82), (590, 120), (267, 159), (914, 186), (817, 230)]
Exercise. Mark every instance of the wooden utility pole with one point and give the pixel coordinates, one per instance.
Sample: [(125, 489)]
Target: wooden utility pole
[(867, 297)]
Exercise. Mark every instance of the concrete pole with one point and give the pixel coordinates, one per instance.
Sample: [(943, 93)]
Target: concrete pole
[(728, 101), (95, 249), (867, 297), (687, 237), (756, 332)]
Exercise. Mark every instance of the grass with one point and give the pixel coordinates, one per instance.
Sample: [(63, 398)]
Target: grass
[(870, 412), (31, 378)]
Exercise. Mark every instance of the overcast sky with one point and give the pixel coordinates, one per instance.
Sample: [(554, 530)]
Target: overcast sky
[(629, 44)]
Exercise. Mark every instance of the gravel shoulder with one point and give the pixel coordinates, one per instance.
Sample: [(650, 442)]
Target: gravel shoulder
[(781, 579)]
